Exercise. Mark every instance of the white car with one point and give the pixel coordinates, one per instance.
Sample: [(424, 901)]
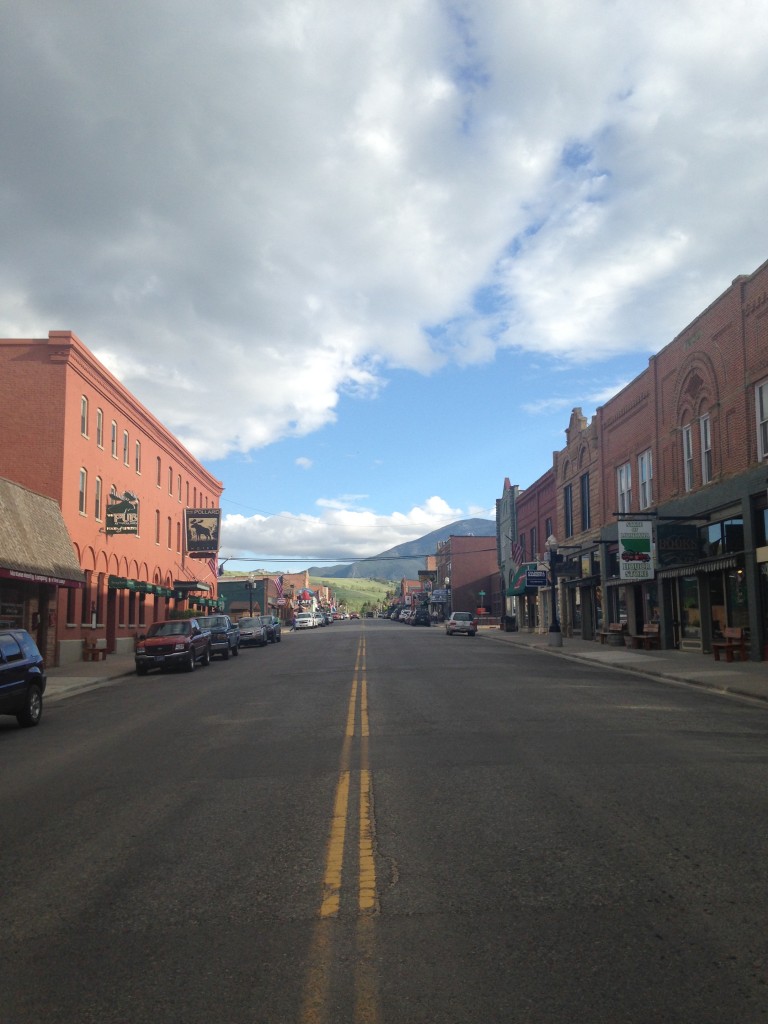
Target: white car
[(461, 622), (305, 620)]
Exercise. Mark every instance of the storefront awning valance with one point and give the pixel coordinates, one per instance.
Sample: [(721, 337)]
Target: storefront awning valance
[(191, 585), (713, 565), (34, 543)]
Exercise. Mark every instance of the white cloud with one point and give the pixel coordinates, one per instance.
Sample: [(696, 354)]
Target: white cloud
[(303, 462), (341, 531), (275, 203)]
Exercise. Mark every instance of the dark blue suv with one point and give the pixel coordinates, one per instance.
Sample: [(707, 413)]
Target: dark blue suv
[(22, 677)]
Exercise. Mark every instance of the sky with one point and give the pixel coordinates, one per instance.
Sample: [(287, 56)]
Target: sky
[(363, 259)]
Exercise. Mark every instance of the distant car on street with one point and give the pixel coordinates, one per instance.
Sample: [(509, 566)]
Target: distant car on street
[(253, 632), (461, 622), (272, 625), (225, 634), (305, 620)]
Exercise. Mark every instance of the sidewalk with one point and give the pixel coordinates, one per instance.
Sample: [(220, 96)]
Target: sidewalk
[(748, 678)]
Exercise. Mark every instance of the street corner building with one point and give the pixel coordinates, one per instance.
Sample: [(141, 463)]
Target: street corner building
[(108, 523)]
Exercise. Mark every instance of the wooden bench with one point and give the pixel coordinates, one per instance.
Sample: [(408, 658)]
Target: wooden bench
[(93, 652), (650, 637), (733, 642), (613, 635)]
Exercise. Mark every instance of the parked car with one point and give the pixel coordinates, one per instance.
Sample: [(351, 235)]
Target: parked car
[(305, 620), (22, 677), (173, 643), (421, 617), (253, 632), (225, 634), (461, 622), (272, 625)]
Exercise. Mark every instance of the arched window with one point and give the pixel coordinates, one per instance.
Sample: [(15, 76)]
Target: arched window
[(84, 416), (138, 456), (114, 440), (100, 428), (97, 498), (82, 502)]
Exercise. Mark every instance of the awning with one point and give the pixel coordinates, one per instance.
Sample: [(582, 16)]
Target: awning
[(190, 585), (518, 584), (34, 543), (712, 565)]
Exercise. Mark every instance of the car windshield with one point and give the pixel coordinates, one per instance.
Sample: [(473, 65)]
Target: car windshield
[(248, 622), (170, 628), (462, 616), (208, 621)]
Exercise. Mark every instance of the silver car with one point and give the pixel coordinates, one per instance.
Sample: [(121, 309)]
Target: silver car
[(461, 622)]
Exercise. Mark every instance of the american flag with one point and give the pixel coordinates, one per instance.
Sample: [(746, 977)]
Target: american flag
[(279, 585), (517, 554)]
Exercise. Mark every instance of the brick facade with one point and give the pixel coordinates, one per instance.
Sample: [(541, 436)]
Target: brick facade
[(73, 432)]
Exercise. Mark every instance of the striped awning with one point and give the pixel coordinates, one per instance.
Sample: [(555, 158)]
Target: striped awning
[(712, 565)]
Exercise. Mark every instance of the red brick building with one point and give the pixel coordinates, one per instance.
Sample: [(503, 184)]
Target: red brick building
[(71, 431), (684, 447), (470, 565)]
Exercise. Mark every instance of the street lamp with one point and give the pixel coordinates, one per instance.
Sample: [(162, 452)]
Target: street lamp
[(249, 588), (447, 597), (555, 638)]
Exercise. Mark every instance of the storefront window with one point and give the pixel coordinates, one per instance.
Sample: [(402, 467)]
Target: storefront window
[(717, 603), (650, 603), (690, 608), (736, 588), (618, 604)]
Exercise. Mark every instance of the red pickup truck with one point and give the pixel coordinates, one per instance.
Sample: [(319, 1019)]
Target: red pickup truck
[(175, 642)]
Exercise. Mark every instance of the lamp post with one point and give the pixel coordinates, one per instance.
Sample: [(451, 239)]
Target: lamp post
[(555, 638), (447, 597), (249, 586)]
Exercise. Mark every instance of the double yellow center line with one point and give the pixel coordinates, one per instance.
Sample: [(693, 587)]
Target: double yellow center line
[(334, 864)]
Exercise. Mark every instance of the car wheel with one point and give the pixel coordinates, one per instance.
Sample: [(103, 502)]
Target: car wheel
[(279, 637), (206, 658), (235, 650), (141, 670), (471, 634), (191, 661), (225, 654), (33, 707), (264, 639)]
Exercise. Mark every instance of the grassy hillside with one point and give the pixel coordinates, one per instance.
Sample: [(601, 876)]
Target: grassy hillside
[(352, 594)]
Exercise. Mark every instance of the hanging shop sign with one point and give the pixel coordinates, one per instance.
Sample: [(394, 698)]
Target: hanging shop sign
[(635, 550), (201, 528), (122, 516)]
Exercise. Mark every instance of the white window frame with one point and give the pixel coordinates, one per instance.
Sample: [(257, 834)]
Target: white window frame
[(705, 434), (100, 428), (645, 478), (761, 414), (126, 449), (84, 416), (114, 439), (624, 487), (82, 502), (97, 510), (688, 457), (137, 449)]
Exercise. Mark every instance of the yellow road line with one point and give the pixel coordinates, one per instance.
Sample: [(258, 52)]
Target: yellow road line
[(317, 990)]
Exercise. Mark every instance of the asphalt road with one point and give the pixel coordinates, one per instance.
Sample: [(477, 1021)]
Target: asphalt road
[(379, 824)]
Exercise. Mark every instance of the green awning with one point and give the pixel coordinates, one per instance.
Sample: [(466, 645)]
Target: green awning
[(518, 585)]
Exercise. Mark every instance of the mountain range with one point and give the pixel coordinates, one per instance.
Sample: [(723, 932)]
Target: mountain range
[(405, 560)]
